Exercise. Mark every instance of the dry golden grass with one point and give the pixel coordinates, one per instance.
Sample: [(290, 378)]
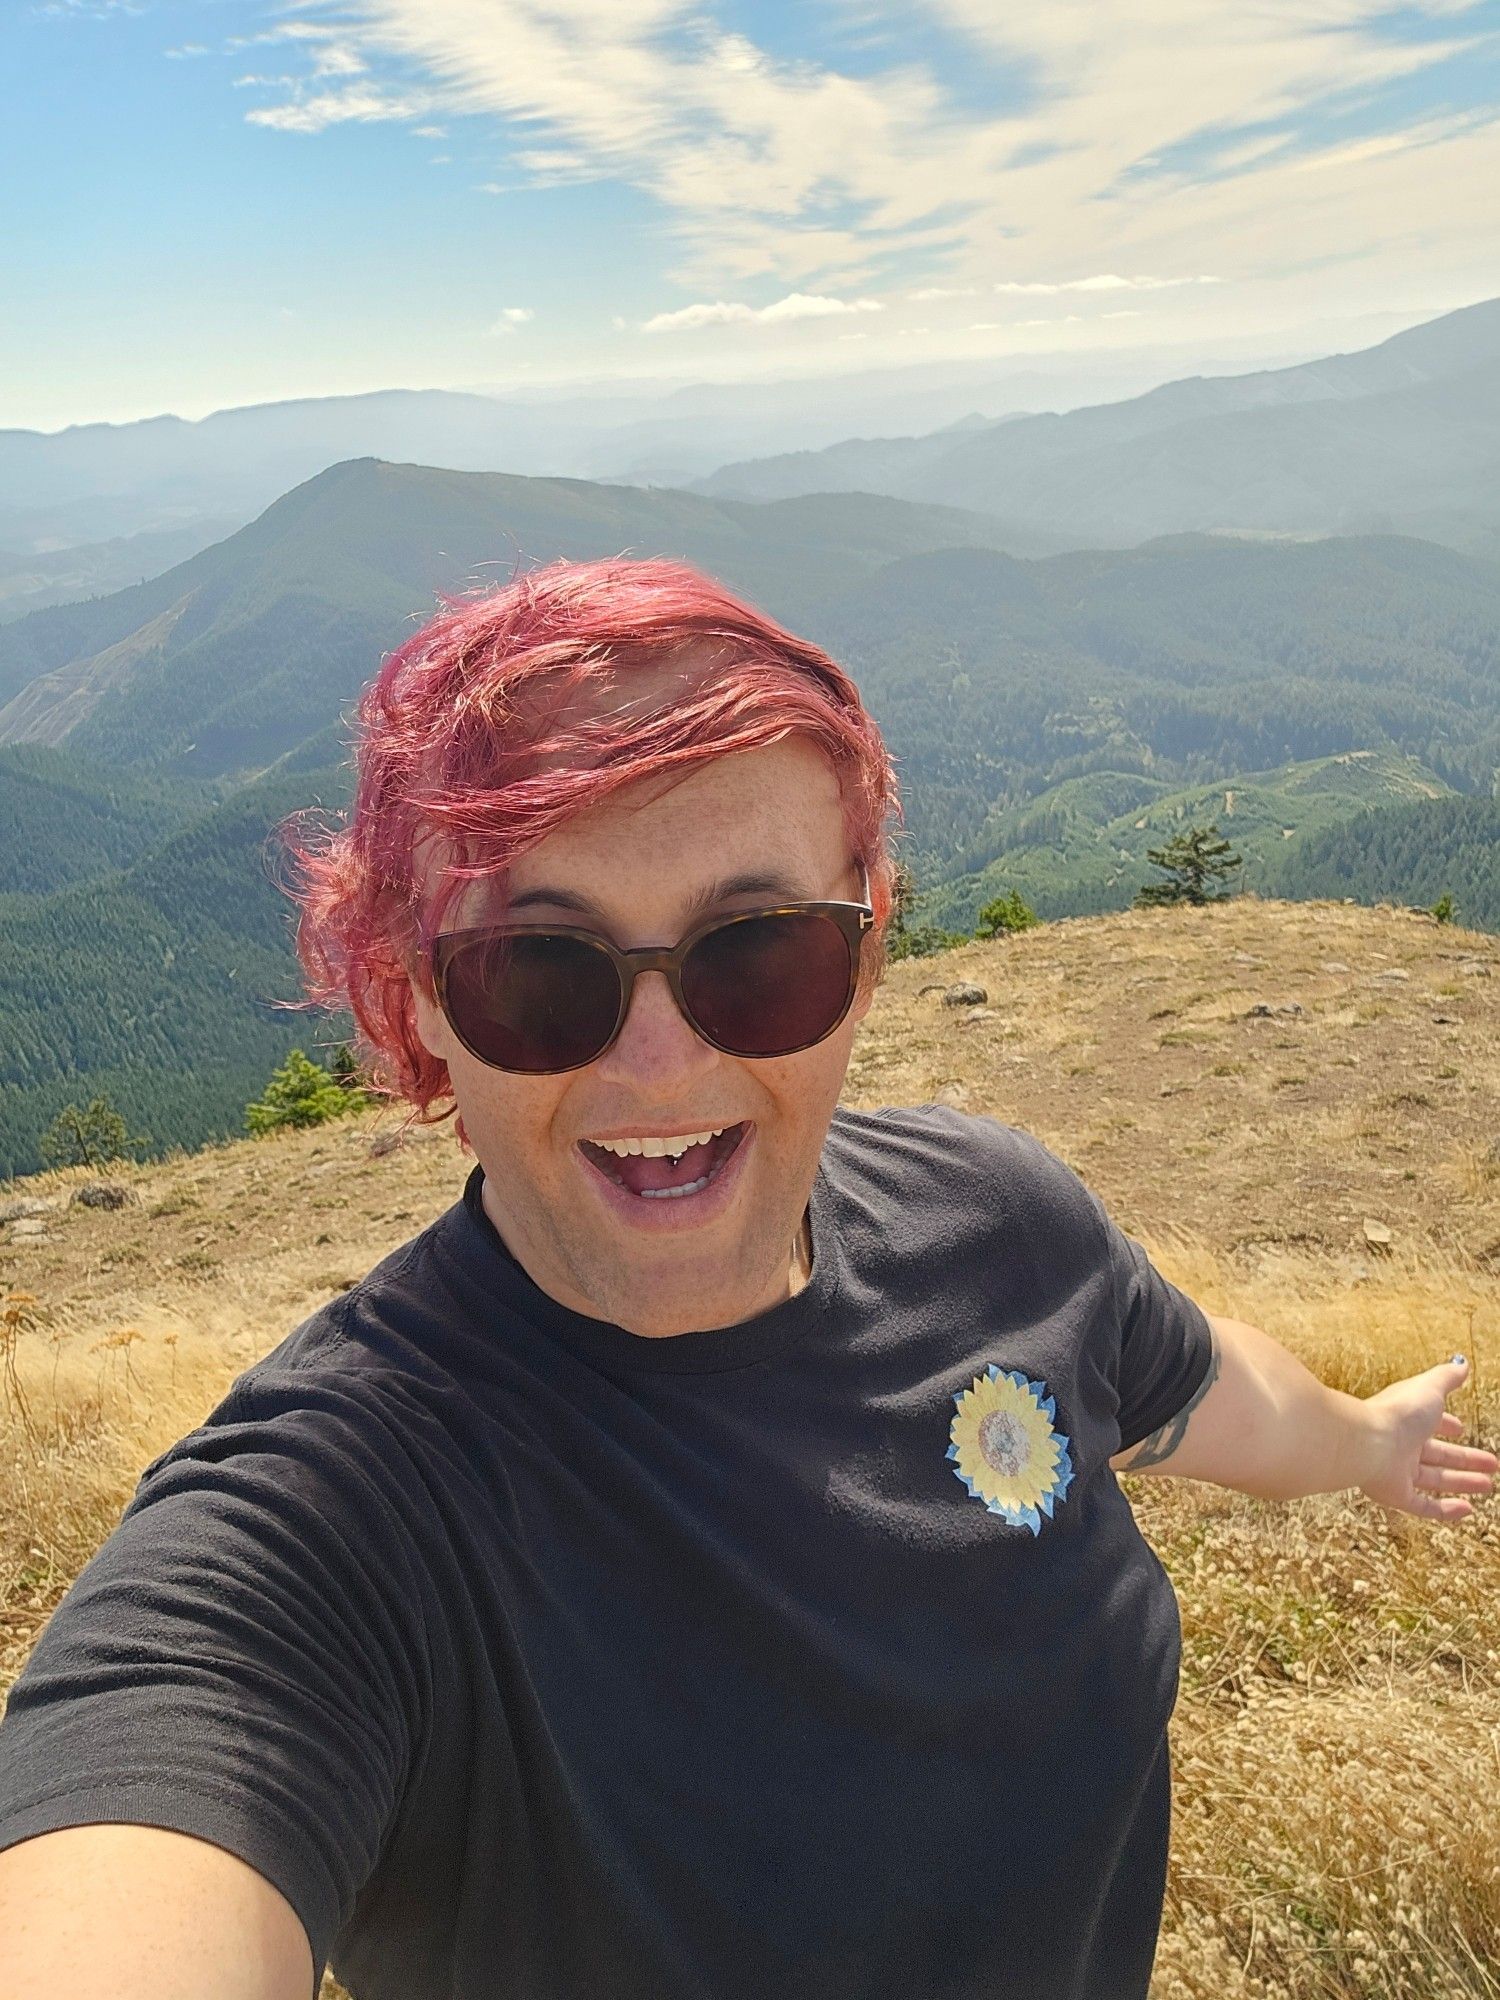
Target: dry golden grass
[(1336, 1743)]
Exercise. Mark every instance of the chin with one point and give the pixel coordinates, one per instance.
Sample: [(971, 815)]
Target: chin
[(679, 1302)]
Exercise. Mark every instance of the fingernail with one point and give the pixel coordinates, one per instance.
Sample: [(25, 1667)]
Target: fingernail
[(1459, 1361)]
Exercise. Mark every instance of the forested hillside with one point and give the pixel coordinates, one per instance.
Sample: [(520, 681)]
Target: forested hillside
[(1407, 854), (1081, 847), (1050, 719), (1187, 660), (233, 658), (154, 985), (66, 819)]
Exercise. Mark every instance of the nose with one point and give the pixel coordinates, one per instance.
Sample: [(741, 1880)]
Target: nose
[(656, 1040)]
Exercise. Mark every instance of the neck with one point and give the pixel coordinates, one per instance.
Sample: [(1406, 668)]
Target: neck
[(801, 1269)]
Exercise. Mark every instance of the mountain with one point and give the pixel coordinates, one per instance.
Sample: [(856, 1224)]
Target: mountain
[(222, 664), (155, 984), (143, 960), (94, 569), (1186, 661), (1401, 438), (1412, 853), (64, 819), (167, 475), (1080, 847)]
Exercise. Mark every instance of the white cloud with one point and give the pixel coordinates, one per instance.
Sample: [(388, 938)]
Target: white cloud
[(1105, 283), (511, 317), (336, 59), (187, 50), (363, 105), (796, 305), (1153, 138)]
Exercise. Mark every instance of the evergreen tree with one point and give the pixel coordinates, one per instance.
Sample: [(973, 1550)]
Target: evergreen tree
[(301, 1093), (1007, 913), (1194, 861), (87, 1138)]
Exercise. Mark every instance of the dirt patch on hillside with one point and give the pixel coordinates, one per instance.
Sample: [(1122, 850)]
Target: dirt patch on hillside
[(1271, 1073)]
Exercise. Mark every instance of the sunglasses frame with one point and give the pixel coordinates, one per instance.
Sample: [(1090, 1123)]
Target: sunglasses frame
[(852, 919)]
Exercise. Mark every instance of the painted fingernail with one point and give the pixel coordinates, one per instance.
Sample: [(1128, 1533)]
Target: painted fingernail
[(1459, 1361)]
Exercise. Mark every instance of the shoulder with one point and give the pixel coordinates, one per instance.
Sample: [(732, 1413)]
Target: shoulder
[(969, 1164), (315, 1411)]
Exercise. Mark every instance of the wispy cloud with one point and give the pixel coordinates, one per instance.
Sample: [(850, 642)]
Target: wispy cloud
[(512, 317), (796, 305), (365, 104), (187, 50), (1103, 283), (1147, 139)]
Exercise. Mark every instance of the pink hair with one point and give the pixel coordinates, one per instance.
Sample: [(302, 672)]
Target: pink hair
[(485, 729)]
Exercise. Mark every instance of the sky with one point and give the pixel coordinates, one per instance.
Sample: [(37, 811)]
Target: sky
[(208, 203)]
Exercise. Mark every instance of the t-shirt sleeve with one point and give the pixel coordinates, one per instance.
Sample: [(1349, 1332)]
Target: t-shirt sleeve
[(1165, 1346), (241, 1660)]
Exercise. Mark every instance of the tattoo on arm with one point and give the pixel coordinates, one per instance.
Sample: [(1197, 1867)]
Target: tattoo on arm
[(1162, 1443)]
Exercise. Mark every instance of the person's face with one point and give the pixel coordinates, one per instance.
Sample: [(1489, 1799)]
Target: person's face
[(660, 1267)]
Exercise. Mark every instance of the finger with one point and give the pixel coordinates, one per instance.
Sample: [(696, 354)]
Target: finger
[(1436, 1507), (1462, 1457), (1449, 1425), (1437, 1479)]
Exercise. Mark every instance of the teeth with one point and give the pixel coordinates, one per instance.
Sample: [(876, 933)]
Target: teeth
[(653, 1149), (675, 1194)]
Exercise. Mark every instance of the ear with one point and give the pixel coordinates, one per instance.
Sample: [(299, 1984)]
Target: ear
[(432, 1025), (864, 995)]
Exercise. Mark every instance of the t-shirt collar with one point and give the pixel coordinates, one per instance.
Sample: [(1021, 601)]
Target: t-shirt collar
[(617, 1349)]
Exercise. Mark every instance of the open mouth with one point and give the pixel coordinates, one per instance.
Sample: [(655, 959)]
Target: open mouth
[(663, 1178)]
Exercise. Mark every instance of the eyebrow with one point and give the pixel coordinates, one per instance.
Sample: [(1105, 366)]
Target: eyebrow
[(751, 882)]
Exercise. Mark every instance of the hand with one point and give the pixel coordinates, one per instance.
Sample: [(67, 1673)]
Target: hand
[(1418, 1466)]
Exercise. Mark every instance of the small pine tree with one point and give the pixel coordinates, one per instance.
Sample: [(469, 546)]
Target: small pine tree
[(1443, 908), (87, 1137), (300, 1093), (1193, 862), (1008, 913)]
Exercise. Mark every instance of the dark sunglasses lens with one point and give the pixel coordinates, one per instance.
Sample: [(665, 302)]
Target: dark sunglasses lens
[(534, 1003), (768, 986)]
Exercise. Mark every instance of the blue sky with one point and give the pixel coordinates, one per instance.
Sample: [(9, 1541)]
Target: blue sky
[(213, 202)]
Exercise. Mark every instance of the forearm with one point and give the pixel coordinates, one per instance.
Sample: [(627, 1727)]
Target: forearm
[(1289, 1434)]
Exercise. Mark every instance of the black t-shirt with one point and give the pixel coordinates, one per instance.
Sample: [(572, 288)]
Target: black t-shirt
[(817, 1656)]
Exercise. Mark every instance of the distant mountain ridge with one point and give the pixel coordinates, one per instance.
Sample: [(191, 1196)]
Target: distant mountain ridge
[(1399, 438), (165, 475), (224, 663)]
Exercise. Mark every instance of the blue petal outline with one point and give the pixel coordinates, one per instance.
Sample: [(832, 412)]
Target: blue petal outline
[(1062, 1473)]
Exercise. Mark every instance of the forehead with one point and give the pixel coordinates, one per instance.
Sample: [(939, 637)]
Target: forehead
[(765, 822)]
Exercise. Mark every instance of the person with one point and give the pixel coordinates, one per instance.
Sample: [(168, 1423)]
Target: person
[(695, 1565)]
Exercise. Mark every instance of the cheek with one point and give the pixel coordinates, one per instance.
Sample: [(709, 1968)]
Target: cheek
[(808, 1085)]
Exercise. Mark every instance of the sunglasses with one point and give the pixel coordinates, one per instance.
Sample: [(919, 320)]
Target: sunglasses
[(540, 999)]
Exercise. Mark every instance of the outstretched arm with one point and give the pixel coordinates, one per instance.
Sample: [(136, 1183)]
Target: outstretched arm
[(1263, 1423)]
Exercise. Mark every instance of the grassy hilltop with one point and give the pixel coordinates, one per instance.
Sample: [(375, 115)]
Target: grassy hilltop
[(1337, 1733)]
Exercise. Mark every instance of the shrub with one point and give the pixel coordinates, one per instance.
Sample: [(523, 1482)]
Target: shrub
[(1010, 912)]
